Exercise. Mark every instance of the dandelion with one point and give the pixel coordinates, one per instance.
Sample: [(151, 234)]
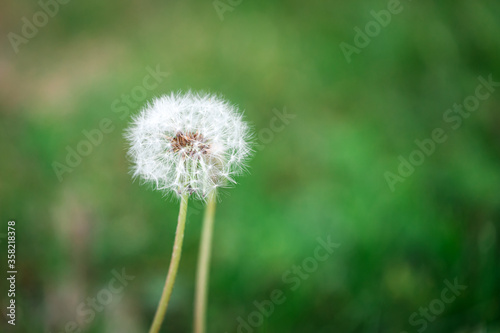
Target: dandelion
[(189, 145)]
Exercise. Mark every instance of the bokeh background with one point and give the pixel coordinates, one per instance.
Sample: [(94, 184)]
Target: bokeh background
[(320, 174)]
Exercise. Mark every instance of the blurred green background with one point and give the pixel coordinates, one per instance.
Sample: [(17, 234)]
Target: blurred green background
[(319, 174)]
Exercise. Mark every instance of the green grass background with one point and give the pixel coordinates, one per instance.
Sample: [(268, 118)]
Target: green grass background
[(323, 174)]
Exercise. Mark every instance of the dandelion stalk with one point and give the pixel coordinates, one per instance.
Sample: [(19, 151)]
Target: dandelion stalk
[(200, 303), (172, 270)]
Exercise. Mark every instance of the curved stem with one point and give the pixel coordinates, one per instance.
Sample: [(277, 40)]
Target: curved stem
[(203, 266), (172, 270)]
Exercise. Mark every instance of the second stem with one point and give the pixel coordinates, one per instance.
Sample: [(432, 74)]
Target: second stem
[(201, 291)]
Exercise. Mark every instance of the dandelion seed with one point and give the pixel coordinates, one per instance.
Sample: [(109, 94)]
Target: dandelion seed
[(192, 143)]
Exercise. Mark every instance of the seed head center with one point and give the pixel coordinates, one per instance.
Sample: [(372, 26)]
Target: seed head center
[(189, 144)]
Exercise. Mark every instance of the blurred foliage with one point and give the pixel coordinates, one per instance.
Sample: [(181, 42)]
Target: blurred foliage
[(322, 174)]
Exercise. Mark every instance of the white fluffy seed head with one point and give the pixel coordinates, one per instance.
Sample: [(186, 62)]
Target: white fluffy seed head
[(189, 143)]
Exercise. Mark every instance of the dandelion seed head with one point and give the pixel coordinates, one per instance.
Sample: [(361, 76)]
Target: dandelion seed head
[(189, 143)]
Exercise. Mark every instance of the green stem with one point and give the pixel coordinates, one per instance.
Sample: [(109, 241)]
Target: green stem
[(203, 266), (172, 270)]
